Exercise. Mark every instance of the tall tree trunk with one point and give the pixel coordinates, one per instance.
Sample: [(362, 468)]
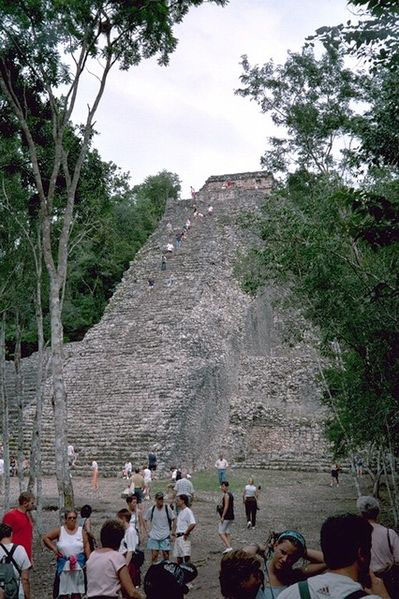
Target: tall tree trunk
[(64, 481), (391, 499), (354, 473), (20, 402), (4, 405), (35, 477)]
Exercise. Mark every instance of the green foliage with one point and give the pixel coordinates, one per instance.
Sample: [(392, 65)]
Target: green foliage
[(310, 99), (374, 38), (122, 223), (336, 248)]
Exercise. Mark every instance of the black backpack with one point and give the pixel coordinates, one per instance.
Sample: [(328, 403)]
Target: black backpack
[(167, 515)]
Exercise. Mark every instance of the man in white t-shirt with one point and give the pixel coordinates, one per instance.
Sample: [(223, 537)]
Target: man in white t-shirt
[(20, 560), (185, 524), (162, 521), (346, 544), (221, 465)]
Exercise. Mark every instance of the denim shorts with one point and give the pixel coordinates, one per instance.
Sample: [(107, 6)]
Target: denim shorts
[(162, 545)]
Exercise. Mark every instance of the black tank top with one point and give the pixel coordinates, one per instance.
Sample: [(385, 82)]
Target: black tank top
[(230, 510)]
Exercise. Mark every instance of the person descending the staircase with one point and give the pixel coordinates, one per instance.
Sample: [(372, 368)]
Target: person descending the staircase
[(179, 236), (163, 262)]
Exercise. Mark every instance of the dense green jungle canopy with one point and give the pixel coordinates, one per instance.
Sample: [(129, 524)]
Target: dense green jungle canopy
[(330, 231), (112, 221)]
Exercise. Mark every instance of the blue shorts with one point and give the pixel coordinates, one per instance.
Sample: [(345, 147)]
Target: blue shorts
[(162, 545)]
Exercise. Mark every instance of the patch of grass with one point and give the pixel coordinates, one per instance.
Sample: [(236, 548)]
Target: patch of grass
[(207, 480)]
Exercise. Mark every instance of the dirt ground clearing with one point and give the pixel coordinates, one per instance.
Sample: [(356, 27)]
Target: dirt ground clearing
[(288, 500)]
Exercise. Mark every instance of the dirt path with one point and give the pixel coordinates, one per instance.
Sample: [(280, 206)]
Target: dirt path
[(289, 500)]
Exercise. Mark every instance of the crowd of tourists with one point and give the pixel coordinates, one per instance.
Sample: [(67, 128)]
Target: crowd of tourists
[(359, 557)]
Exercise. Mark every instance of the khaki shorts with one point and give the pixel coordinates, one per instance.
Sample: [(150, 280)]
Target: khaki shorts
[(182, 548)]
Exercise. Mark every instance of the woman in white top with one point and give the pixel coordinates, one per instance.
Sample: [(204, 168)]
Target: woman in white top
[(70, 544), (250, 500)]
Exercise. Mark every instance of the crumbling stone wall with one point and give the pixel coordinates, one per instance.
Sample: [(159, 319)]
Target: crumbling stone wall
[(192, 365)]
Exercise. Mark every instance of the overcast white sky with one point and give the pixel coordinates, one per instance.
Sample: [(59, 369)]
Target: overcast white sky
[(185, 117)]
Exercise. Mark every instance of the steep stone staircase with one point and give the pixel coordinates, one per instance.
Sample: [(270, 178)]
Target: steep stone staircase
[(172, 367)]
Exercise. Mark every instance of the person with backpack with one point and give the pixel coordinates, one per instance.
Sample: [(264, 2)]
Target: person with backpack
[(346, 545), (162, 522), (14, 567)]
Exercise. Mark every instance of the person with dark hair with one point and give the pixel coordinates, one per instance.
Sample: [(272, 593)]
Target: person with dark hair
[(384, 545), (129, 545), (162, 522), (21, 523), (84, 520), (168, 580), (106, 568), (70, 545), (17, 556), (241, 575), (226, 513), (335, 469), (137, 485), (136, 516), (152, 461), (285, 549), (184, 526), (346, 543)]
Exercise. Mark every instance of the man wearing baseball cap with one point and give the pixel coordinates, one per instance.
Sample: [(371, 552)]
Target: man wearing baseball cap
[(162, 522)]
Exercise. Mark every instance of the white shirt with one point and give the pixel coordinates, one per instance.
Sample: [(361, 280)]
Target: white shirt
[(71, 450), (221, 464), (1, 466), (21, 559), (326, 586), (159, 523), (129, 541), (147, 475), (184, 519), (250, 491)]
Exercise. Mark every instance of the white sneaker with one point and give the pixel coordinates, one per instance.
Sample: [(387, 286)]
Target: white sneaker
[(248, 524), (227, 550)]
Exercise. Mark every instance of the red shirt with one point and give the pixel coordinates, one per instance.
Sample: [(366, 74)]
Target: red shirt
[(22, 529)]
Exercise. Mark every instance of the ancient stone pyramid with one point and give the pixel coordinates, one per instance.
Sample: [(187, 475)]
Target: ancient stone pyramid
[(191, 365)]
